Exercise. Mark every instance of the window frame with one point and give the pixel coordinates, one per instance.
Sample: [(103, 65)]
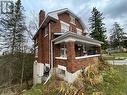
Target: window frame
[(64, 52), (72, 19), (79, 31), (36, 52), (46, 31), (63, 25), (36, 41)]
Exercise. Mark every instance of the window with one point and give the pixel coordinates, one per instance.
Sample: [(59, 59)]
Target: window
[(72, 19), (46, 31), (79, 31), (62, 72), (64, 27), (63, 52), (36, 51), (36, 41)]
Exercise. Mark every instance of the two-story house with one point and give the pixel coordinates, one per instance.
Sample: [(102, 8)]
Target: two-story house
[(61, 43)]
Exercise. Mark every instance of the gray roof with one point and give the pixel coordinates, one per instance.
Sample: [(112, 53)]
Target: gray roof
[(76, 37)]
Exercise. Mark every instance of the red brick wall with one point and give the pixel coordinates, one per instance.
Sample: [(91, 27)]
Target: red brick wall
[(56, 50), (41, 16), (56, 26), (81, 63), (46, 48), (43, 47), (66, 18), (76, 64), (60, 62), (40, 49)]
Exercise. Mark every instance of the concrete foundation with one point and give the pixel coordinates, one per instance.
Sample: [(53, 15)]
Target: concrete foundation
[(67, 76), (38, 71)]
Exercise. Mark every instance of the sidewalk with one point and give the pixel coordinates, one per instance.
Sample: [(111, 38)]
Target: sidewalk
[(117, 62)]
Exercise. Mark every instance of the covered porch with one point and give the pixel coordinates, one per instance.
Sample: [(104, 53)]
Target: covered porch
[(75, 51)]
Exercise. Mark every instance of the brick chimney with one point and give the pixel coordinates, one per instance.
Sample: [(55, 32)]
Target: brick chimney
[(41, 16)]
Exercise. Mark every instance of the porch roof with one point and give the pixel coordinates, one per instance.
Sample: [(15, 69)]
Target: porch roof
[(71, 36)]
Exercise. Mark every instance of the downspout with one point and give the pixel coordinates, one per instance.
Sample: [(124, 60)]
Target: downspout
[(49, 44), (50, 55)]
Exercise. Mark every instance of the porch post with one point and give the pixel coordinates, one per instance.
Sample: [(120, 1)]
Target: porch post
[(70, 55)]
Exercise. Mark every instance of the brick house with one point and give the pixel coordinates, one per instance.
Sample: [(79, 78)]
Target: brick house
[(61, 43)]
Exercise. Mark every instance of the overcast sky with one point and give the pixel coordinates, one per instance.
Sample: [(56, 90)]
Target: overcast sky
[(113, 10)]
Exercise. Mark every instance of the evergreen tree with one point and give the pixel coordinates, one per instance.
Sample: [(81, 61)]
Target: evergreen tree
[(14, 27), (97, 27), (117, 36)]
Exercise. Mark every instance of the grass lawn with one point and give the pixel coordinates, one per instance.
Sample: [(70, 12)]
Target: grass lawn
[(123, 74), (119, 56)]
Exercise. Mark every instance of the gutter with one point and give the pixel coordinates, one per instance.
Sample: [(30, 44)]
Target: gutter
[(50, 55), (46, 20), (50, 44)]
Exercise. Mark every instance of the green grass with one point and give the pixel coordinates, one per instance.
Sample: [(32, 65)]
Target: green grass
[(120, 54), (123, 74), (115, 80), (117, 56)]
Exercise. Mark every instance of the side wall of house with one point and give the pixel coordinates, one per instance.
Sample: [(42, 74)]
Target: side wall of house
[(43, 47)]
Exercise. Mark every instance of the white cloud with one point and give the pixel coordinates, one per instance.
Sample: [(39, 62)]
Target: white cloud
[(82, 8)]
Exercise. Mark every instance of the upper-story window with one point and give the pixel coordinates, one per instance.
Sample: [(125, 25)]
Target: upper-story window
[(36, 51), (79, 31), (36, 41), (46, 31), (72, 19), (64, 26)]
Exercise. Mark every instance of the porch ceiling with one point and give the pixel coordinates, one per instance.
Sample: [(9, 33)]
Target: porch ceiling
[(71, 36)]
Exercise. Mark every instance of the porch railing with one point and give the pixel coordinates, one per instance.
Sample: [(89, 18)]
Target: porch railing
[(80, 57)]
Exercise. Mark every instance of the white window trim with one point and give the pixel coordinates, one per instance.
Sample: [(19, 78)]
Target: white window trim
[(79, 30), (63, 58), (46, 35), (62, 67), (36, 41), (64, 24), (71, 19), (47, 32), (85, 56), (65, 54), (36, 52)]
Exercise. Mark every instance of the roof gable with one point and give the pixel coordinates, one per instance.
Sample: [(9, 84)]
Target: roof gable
[(54, 14)]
